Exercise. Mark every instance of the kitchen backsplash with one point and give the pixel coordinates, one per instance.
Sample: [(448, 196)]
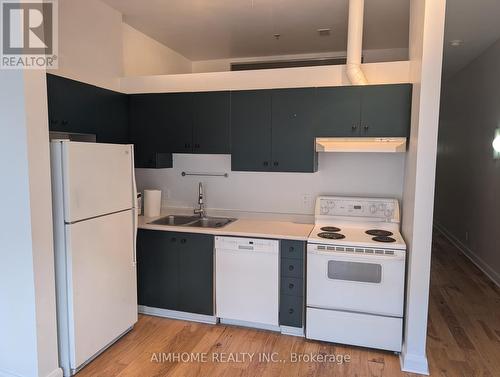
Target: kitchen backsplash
[(357, 174)]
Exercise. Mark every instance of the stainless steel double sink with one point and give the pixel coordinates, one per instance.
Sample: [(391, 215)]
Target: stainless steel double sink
[(193, 221)]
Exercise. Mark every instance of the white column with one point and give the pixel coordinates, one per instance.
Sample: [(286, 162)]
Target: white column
[(426, 49), (28, 332)]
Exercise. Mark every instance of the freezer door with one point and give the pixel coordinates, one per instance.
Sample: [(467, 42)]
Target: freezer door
[(102, 290), (97, 179)]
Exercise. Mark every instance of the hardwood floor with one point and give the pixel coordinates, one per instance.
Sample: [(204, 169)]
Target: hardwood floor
[(463, 338)]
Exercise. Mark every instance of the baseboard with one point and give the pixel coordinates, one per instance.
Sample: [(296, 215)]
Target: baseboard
[(4, 373), (253, 325), (174, 314), (473, 257), (414, 363), (55, 373), (293, 331)]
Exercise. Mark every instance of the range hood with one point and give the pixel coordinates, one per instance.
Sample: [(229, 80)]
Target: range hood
[(361, 144)]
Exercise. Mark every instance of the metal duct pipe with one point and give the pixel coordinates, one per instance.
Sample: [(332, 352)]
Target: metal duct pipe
[(355, 42)]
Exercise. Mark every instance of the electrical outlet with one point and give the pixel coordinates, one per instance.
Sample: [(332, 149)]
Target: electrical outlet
[(166, 194), (306, 200)]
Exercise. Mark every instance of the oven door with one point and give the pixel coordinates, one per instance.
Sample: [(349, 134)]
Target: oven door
[(358, 282)]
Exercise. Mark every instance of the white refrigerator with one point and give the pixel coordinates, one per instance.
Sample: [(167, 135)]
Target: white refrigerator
[(95, 227)]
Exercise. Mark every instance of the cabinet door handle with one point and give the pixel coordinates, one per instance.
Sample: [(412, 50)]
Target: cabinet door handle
[(291, 249), (197, 145), (290, 311), (276, 163), (64, 122), (291, 268), (173, 239), (265, 163), (291, 285), (366, 127), (354, 127), (183, 240)]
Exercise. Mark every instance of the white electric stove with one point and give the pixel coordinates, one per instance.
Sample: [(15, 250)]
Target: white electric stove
[(356, 273)]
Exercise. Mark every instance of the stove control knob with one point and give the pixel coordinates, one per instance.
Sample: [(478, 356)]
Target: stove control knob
[(388, 213), (324, 210), (373, 208), (381, 207)]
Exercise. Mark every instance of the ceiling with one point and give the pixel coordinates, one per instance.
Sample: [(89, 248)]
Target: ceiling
[(476, 23), (220, 29)]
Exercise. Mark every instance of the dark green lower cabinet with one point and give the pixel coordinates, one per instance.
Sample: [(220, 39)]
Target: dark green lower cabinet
[(196, 266), (175, 271), (157, 271), (291, 311), (292, 254)]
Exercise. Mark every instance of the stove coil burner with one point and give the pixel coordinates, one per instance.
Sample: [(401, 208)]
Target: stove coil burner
[(332, 229), (384, 239), (331, 236), (379, 233)]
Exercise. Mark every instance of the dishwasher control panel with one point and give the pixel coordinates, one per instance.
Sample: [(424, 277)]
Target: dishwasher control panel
[(248, 244)]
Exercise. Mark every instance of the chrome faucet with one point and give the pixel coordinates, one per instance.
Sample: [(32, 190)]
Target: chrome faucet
[(201, 205)]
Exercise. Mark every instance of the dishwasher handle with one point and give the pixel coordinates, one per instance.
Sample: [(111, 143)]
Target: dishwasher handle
[(245, 247), (245, 251)]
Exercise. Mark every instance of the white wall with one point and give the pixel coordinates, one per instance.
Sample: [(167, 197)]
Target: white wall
[(28, 340), (376, 73), (468, 178), (426, 48), (90, 43), (339, 173), (369, 56), (142, 55), (96, 47)]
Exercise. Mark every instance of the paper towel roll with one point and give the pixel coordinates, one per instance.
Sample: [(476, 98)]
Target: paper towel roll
[(152, 203)]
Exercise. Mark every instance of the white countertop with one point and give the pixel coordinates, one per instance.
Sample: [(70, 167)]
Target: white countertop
[(243, 227)]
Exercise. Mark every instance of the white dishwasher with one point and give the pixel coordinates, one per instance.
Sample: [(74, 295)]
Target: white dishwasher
[(247, 281)]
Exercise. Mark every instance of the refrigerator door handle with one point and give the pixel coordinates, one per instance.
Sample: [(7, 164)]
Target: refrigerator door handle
[(135, 209)]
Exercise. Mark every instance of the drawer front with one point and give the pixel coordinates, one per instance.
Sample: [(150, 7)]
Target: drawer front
[(292, 286), (291, 310), (292, 249), (292, 268), (365, 330)]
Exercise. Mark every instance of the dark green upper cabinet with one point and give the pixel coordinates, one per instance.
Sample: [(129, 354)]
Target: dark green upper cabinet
[(75, 106), (385, 110), (177, 121), (251, 130), (212, 131), (293, 136), (371, 111), (165, 123), (271, 130), (149, 134), (337, 111)]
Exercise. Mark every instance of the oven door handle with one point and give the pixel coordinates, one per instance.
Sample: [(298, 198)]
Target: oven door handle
[(395, 256)]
